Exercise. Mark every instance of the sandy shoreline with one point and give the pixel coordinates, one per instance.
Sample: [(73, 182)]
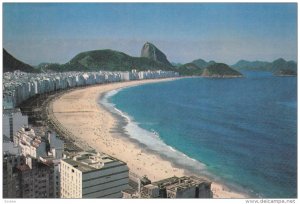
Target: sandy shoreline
[(92, 125)]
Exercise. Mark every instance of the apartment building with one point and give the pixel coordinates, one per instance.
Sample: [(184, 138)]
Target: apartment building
[(93, 175)]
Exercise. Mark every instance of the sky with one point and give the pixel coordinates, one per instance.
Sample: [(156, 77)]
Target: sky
[(224, 32)]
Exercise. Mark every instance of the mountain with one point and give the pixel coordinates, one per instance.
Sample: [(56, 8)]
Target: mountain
[(207, 69), (151, 52), (220, 70), (280, 65), (108, 60), (195, 67), (202, 63), (248, 65), (11, 64), (277, 66), (189, 69)]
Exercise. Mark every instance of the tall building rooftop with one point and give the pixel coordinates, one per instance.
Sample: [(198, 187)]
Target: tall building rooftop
[(180, 182), (87, 161)]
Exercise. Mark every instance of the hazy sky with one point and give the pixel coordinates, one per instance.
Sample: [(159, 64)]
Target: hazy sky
[(36, 33)]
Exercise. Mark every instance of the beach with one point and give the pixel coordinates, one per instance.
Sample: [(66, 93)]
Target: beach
[(92, 125)]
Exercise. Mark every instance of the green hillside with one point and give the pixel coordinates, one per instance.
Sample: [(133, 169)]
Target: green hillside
[(108, 60), (189, 69), (220, 70), (11, 64)]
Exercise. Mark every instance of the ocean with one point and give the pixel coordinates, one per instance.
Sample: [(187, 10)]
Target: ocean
[(240, 131)]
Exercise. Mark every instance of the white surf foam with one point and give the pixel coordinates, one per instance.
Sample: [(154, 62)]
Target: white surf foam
[(152, 139)]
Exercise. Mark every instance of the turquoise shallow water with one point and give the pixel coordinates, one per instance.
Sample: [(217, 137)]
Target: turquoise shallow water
[(242, 130)]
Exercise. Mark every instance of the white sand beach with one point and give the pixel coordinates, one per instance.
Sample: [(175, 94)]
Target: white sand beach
[(79, 112)]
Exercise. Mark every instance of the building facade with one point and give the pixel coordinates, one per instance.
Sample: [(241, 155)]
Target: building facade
[(43, 154), (10, 182), (93, 175), (30, 143), (178, 187), (13, 120), (35, 179), (26, 177), (19, 86)]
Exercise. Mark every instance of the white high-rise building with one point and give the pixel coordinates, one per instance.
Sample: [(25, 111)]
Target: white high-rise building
[(13, 120), (90, 175)]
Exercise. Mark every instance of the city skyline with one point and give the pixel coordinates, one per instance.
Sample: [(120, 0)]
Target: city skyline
[(224, 32)]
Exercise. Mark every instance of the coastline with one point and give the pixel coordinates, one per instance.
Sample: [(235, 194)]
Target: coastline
[(94, 126)]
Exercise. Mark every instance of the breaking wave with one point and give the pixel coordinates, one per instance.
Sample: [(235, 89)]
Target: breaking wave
[(152, 140)]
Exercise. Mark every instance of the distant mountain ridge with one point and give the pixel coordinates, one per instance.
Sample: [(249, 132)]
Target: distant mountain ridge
[(250, 65), (151, 59), (11, 64), (108, 60), (277, 66), (111, 60)]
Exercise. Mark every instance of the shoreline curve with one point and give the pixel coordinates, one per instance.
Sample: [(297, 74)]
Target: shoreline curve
[(93, 126)]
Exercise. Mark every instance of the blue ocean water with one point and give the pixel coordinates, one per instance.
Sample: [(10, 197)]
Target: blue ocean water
[(244, 130)]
